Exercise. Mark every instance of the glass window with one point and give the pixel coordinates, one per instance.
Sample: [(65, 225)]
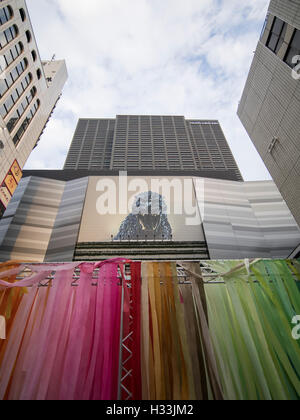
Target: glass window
[(14, 53), (23, 106), (8, 35), (289, 58), (293, 49), (277, 26), (3, 87), (34, 55), (3, 18), (17, 138), (9, 104), (20, 89), (277, 35), (29, 98), (15, 96), (5, 14), (3, 111), (14, 31), (12, 122), (9, 12), (20, 110), (24, 84), (9, 80), (22, 14), (3, 41), (14, 74), (2, 66), (296, 40), (281, 39), (273, 41), (28, 36), (26, 81), (19, 68), (20, 132), (8, 58), (19, 47)]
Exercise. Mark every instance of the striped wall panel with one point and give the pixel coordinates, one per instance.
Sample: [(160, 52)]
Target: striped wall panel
[(245, 220), (65, 232), (27, 224)]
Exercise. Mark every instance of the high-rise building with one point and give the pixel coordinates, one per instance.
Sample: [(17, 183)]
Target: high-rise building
[(270, 105), (148, 143), (29, 91)]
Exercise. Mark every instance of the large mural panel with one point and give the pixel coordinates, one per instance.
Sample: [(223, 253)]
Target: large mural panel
[(147, 209)]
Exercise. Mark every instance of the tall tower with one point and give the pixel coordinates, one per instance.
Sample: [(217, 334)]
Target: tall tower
[(152, 143), (270, 105), (29, 90)]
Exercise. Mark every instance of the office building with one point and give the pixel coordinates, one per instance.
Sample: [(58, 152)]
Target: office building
[(29, 91), (270, 104), (152, 143)]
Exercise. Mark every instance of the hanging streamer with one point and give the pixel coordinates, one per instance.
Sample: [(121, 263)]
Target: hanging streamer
[(250, 323), (125, 330), (64, 342)]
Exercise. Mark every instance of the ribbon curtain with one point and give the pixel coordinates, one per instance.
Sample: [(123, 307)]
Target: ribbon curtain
[(63, 341), (179, 362), (151, 337), (250, 318)]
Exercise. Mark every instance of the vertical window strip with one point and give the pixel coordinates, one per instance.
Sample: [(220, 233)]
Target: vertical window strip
[(25, 124), (12, 77), (6, 14)]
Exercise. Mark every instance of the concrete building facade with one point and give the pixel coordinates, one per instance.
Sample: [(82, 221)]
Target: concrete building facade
[(247, 220), (147, 143), (29, 91), (270, 104)]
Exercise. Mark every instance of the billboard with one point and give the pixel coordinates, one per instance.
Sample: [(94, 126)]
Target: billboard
[(16, 171), (140, 208), (9, 185)]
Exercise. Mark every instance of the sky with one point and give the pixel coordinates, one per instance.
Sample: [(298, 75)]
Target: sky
[(149, 57)]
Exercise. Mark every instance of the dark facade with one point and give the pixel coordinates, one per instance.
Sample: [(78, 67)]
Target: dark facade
[(152, 143)]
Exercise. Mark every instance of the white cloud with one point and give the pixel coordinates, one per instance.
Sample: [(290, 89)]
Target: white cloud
[(188, 58), (51, 152)]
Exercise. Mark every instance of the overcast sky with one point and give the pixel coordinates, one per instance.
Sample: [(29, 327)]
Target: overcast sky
[(181, 57)]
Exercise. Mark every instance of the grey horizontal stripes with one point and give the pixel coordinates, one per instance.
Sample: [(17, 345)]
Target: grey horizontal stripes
[(265, 200), (247, 219), (6, 250), (32, 214), (66, 228), (35, 225), (228, 204), (268, 229), (250, 248)]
